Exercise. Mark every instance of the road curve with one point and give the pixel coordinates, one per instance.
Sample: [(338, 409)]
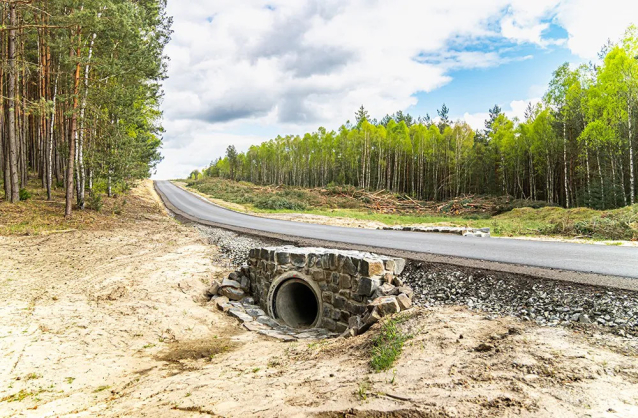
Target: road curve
[(583, 258)]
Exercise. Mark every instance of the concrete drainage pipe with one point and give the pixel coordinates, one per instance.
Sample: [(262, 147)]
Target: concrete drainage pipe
[(295, 300)]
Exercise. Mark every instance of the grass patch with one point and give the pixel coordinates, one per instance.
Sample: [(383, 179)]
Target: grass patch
[(39, 216), (18, 397), (388, 345), (196, 350)]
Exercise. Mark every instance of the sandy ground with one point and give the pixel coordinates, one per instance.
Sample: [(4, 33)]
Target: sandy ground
[(111, 323)]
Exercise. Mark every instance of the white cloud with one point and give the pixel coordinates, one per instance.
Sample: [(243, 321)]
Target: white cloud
[(298, 64), (515, 109), (590, 23)]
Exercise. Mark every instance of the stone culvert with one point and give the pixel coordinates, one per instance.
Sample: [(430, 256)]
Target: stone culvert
[(316, 287)]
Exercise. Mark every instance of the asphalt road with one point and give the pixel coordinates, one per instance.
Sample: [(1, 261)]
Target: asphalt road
[(584, 258)]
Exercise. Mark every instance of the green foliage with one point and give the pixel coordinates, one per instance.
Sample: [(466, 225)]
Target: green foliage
[(279, 203), (24, 194), (388, 345), (94, 201)]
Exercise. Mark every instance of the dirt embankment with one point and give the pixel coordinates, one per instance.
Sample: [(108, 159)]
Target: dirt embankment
[(108, 323)]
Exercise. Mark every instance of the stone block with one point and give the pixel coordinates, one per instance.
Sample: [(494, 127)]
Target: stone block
[(232, 293), (327, 311), (341, 327), (266, 320), (333, 260), (313, 259), (399, 266), (334, 278), (389, 265), (298, 260), (245, 284), (271, 267), (239, 314), (282, 257), (328, 323), (349, 267), (355, 308), (327, 297), (387, 289), (318, 276), (404, 301), (336, 314), (386, 305), (345, 281), (231, 283), (345, 293), (339, 302), (367, 286), (345, 316), (369, 267), (255, 312), (325, 261), (212, 289)]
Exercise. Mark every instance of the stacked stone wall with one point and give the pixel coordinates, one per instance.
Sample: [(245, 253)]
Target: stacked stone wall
[(348, 281)]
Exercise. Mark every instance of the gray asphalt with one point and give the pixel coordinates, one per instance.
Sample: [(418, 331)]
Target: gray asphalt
[(583, 258)]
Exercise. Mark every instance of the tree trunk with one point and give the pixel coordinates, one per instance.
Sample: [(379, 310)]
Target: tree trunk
[(74, 133), (565, 163), (49, 150), (81, 176), (632, 186), (14, 195)]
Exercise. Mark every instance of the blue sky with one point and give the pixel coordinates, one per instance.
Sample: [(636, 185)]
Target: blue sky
[(258, 69)]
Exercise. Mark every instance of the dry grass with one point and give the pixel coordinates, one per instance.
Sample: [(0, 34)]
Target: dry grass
[(38, 216)]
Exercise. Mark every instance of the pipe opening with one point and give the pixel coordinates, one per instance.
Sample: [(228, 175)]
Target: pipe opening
[(296, 304)]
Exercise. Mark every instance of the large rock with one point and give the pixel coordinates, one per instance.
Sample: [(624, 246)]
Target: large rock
[(232, 293), (404, 301), (386, 289), (231, 283), (245, 284), (239, 314), (212, 289), (369, 267), (385, 305), (367, 286)]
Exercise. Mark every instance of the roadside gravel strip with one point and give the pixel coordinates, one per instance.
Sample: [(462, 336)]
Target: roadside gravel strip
[(546, 302)]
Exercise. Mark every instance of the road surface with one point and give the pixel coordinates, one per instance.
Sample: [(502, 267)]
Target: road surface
[(583, 258)]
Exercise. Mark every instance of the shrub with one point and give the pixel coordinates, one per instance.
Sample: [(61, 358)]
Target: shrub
[(95, 201), (24, 194), (279, 203)]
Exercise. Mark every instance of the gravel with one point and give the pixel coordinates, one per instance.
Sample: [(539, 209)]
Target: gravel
[(233, 246), (546, 302)]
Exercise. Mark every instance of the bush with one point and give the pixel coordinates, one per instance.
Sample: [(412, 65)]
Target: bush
[(279, 203), (605, 228), (24, 194), (95, 201)]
